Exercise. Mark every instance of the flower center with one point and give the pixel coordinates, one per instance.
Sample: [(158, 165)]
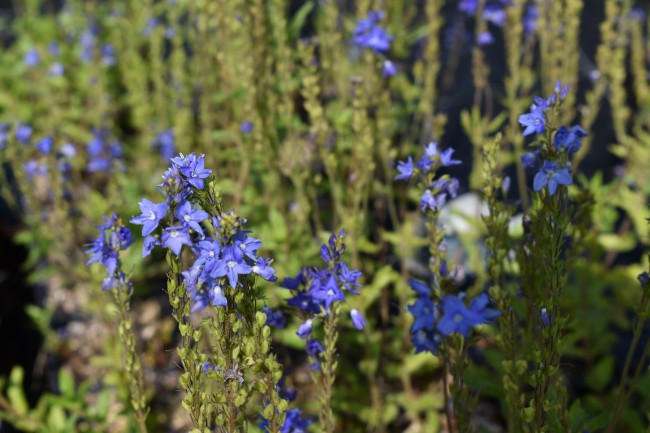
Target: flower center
[(152, 215), (193, 174), (186, 218), (458, 318), (231, 264), (330, 292), (256, 269), (174, 234), (211, 254)]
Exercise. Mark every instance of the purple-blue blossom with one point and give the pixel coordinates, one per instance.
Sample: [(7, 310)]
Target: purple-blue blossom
[(151, 215), (551, 175), (175, 237)]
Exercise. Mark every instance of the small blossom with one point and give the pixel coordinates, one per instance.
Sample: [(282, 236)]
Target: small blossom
[(388, 69), (152, 213), (445, 158), (191, 217), (23, 133), (32, 58), (551, 175), (644, 278), (305, 329), (231, 265), (148, 244), (405, 169), (569, 139), (484, 38), (174, 238), (357, 319), (533, 121), (246, 127), (45, 145)]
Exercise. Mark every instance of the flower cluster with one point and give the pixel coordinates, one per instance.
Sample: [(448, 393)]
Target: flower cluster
[(315, 290), (436, 190), (33, 58), (551, 158), (369, 34), (223, 249), (113, 237), (434, 321), (494, 13)]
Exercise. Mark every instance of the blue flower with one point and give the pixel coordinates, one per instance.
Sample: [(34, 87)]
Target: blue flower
[(457, 317), (314, 349), (405, 169), (274, 318), (193, 170), (231, 265), (148, 244), (32, 58), (423, 311), (445, 158), (644, 278), (431, 202), (369, 34), (305, 329), (53, 48), (550, 174), (208, 251), (426, 341), (191, 217), (293, 423), (388, 69), (248, 245), (23, 133), (165, 144), (151, 215), (175, 237), (246, 127), (45, 145), (569, 139), (263, 269), (34, 168), (529, 160), (329, 292), (494, 14), (485, 38), (530, 19), (217, 297), (533, 121), (357, 319), (420, 288), (108, 55)]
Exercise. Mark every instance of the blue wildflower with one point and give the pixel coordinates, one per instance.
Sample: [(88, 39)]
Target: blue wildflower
[(405, 169), (423, 311), (357, 319), (388, 69), (426, 341), (369, 34), (165, 144), (148, 244), (533, 121), (550, 174), (231, 265), (191, 217), (569, 139), (274, 318), (193, 170), (262, 268), (23, 133), (445, 158), (45, 145), (151, 215), (175, 237), (32, 58), (305, 329), (457, 317), (246, 127)]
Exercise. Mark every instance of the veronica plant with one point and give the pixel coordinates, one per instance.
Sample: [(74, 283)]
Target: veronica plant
[(443, 319), (319, 293), (225, 366), (548, 255), (113, 238)]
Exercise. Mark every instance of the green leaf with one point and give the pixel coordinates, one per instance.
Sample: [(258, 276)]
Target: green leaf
[(298, 20), (15, 391), (66, 384)]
